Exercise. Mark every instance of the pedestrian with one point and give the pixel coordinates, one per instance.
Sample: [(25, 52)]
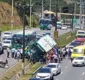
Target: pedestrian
[(8, 52), (15, 54), (55, 58), (18, 54), (12, 52)]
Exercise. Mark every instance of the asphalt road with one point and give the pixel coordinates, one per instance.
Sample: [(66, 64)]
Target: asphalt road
[(68, 72), (11, 61)]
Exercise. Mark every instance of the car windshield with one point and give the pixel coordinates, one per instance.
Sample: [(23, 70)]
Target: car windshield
[(75, 43), (7, 33), (7, 42), (79, 58), (44, 70), (9, 38), (51, 66), (78, 51)]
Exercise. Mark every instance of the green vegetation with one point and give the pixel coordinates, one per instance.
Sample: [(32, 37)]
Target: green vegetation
[(13, 71), (5, 15), (8, 27), (65, 39), (29, 74)]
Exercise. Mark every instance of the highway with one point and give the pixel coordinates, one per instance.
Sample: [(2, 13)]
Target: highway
[(68, 72), (12, 61)]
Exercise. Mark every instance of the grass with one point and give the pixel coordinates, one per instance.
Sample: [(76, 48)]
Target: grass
[(29, 74), (8, 27), (65, 39), (13, 71)]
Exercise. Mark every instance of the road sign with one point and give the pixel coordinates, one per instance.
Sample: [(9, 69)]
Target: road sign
[(12, 19)]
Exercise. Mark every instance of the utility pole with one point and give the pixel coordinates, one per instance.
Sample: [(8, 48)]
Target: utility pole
[(50, 5), (30, 12), (12, 15), (42, 10), (80, 13), (56, 18), (24, 17)]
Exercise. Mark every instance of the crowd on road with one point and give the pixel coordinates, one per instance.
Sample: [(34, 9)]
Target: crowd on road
[(57, 54)]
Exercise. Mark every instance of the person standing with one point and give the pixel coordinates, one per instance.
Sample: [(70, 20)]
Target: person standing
[(8, 52), (12, 52)]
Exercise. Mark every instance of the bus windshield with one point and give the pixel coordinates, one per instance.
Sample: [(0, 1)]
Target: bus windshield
[(45, 22), (17, 40), (80, 36), (78, 51), (81, 32)]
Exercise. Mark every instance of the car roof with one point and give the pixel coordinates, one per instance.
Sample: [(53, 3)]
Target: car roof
[(53, 63), (7, 32), (80, 47)]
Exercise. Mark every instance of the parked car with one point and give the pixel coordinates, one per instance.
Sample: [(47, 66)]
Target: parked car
[(6, 43), (75, 43), (79, 61), (34, 79), (56, 69), (64, 27), (1, 48), (6, 34), (45, 73)]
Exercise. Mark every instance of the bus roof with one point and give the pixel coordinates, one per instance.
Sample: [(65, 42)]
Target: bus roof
[(80, 47), (26, 32), (48, 12)]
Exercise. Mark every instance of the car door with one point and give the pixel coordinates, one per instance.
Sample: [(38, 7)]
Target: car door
[(58, 67)]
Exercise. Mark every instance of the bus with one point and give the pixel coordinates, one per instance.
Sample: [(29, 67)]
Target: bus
[(80, 36), (46, 24), (17, 39)]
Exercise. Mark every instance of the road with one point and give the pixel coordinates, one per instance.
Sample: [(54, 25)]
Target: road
[(69, 72), (11, 61)]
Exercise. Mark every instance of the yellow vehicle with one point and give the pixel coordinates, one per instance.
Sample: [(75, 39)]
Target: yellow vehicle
[(78, 51)]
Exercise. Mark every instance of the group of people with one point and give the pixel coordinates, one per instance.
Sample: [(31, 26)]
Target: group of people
[(58, 54)]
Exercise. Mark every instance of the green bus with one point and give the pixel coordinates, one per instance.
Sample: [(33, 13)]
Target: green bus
[(17, 39)]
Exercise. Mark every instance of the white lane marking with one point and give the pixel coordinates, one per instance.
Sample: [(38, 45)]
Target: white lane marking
[(61, 72), (83, 73), (57, 79), (66, 66)]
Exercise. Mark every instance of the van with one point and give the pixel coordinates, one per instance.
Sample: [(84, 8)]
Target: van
[(78, 51)]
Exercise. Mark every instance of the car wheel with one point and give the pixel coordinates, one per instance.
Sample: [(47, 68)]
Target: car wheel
[(52, 78), (83, 64)]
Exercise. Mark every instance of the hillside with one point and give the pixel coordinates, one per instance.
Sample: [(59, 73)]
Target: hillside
[(5, 14)]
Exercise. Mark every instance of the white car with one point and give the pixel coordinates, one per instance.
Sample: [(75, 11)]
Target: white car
[(6, 34), (45, 74), (55, 67), (6, 43), (64, 27), (79, 61)]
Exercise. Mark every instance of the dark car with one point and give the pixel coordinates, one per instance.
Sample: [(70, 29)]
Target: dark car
[(1, 49), (75, 43), (34, 79)]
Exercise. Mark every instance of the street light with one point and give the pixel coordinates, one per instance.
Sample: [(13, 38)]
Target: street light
[(12, 15), (50, 5), (24, 17), (30, 12), (42, 10)]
